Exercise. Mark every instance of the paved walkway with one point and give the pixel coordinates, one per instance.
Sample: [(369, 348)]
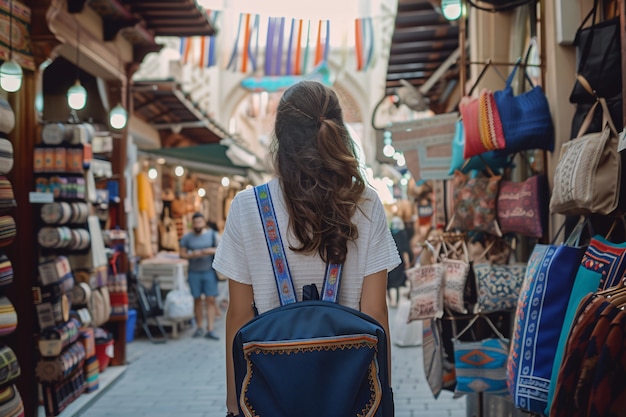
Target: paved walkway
[(185, 378)]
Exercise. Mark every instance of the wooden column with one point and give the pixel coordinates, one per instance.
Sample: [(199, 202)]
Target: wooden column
[(23, 252)]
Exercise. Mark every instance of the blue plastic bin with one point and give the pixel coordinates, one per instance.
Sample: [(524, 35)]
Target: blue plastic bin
[(130, 325)]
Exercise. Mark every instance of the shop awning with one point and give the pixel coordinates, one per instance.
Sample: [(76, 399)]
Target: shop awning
[(140, 21), (210, 159), (179, 121), (422, 41)]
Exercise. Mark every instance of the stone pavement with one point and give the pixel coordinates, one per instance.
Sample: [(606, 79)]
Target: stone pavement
[(185, 378)]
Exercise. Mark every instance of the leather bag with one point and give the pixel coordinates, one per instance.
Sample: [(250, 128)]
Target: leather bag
[(587, 176), (598, 57)]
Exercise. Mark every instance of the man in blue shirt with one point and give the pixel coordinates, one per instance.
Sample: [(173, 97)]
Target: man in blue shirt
[(198, 247)]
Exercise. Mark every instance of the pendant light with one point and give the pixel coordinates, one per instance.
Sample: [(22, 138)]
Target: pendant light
[(76, 94), (451, 9), (10, 71), (118, 117)]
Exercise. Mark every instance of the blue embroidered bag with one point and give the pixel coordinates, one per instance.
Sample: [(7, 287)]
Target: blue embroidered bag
[(311, 358), (539, 318)]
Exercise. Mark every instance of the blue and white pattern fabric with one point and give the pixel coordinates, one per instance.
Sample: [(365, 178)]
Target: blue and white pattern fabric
[(539, 318), (498, 286)]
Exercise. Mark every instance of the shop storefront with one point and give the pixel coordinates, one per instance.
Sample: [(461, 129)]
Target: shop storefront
[(106, 170)]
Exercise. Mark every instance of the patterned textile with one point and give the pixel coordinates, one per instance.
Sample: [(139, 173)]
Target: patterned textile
[(591, 310), (491, 133), (607, 259), (498, 286), (432, 357), (6, 271), (440, 373), (11, 404), (8, 317), (538, 322), (587, 176), (455, 280), (426, 291), (475, 204), (476, 162), (6, 156), (481, 366), (7, 230), (523, 206), (608, 392), (600, 263), (9, 366), (7, 200)]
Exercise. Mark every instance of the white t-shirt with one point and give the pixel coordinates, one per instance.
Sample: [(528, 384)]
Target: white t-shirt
[(242, 254)]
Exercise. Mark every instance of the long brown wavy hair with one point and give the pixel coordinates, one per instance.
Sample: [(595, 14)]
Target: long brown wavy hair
[(315, 160)]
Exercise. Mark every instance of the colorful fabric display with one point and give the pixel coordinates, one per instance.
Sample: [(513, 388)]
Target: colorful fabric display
[(572, 388), (7, 199), (9, 366), (426, 288), (54, 339), (7, 116), (602, 266), (58, 395), (92, 374), (8, 317), (6, 156), (54, 270), (6, 271), (11, 404), (478, 162), (62, 366), (7, 230), (539, 319)]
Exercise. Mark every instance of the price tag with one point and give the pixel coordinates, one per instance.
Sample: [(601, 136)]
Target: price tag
[(621, 145)]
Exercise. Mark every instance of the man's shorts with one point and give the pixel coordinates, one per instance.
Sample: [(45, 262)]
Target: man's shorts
[(203, 282)]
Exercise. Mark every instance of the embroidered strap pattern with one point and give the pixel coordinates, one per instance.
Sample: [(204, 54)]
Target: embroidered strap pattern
[(282, 274)]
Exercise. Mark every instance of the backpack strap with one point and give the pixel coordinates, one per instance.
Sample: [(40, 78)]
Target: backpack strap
[(282, 274)]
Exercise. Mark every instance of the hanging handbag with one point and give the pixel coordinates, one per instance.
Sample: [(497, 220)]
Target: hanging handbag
[(481, 123), (498, 282), (475, 204), (480, 365), (168, 233), (539, 318), (439, 370), (478, 162), (598, 58), (587, 176), (522, 207), (426, 287), (456, 270), (526, 119)]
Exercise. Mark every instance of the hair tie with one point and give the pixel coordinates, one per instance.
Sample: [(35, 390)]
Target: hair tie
[(321, 119)]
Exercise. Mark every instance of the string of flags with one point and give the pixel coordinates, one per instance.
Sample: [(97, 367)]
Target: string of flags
[(207, 46), (292, 46)]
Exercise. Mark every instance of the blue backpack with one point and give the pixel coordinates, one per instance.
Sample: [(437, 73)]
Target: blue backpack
[(314, 358)]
